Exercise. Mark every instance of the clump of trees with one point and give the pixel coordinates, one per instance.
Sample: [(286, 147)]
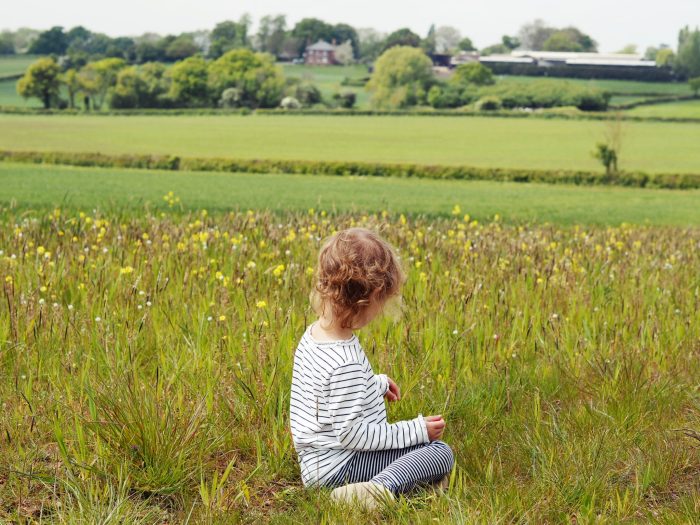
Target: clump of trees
[(402, 77), (238, 78)]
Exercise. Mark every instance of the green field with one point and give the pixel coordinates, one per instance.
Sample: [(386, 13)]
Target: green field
[(9, 96), (328, 79), (491, 142), (684, 109), (626, 87), (146, 361), (32, 186), (15, 64)]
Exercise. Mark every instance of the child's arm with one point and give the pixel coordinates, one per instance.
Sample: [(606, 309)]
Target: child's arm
[(348, 388)]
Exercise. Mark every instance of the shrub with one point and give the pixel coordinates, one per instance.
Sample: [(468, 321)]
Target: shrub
[(231, 98), (488, 103), (345, 100), (290, 103)]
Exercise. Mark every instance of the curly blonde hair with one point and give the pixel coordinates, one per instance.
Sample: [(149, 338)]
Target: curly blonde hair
[(356, 268)]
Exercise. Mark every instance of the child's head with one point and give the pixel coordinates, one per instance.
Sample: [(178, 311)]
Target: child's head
[(357, 273)]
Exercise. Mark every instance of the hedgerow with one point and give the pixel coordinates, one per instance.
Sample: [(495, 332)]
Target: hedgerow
[(349, 168)]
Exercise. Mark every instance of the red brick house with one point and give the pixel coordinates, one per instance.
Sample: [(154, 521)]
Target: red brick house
[(320, 54)]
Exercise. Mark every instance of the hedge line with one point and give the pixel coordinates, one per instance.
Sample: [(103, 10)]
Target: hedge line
[(344, 168), (654, 74), (13, 110)]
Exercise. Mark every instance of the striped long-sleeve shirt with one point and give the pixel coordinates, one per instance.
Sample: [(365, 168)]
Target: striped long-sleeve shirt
[(337, 407)]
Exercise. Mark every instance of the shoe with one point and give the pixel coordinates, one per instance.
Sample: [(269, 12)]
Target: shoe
[(368, 494)]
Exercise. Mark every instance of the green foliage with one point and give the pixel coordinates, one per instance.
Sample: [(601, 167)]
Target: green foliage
[(306, 93), (345, 100), (607, 156), (665, 58), (466, 44), (97, 78), (403, 37), (488, 103), (50, 42), (259, 81), (189, 86), (401, 78), (7, 44), (290, 103), (70, 79), (365, 169), (547, 94), (42, 80), (687, 61), (142, 86), (694, 84), (181, 48), (472, 73), (229, 35)]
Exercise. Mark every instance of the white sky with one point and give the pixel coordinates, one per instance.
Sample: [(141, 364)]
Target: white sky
[(612, 23)]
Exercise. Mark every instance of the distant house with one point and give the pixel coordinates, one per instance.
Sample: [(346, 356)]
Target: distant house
[(320, 54)]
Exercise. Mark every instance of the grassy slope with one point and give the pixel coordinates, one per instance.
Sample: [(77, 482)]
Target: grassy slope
[(37, 186), (492, 142)]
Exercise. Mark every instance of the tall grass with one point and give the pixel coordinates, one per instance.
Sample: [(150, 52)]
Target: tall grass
[(145, 362)]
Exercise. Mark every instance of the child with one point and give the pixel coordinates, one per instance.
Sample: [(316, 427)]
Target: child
[(338, 418)]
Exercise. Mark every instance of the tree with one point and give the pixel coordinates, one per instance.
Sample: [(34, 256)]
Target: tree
[(402, 37), (7, 43), (140, 87), (371, 44), (665, 58), (534, 34), (189, 82), (97, 78), (70, 80), (181, 48), (608, 151), (694, 84), (447, 39), (569, 39), (401, 78), (51, 42), (511, 42), (343, 33), (271, 34), (344, 53), (41, 80), (466, 44), (496, 49), (687, 62), (472, 73), (24, 37), (229, 35), (629, 49), (428, 44), (255, 76), (310, 30)]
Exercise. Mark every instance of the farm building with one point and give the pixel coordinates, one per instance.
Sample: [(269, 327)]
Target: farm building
[(583, 65), (320, 54)]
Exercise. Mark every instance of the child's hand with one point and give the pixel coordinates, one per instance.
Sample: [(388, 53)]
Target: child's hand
[(394, 393), (435, 426)]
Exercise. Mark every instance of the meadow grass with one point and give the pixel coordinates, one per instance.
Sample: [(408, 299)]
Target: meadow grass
[(145, 364), (36, 186), (479, 141)]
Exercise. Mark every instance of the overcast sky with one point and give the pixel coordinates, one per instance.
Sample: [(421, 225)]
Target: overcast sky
[(612, 23)]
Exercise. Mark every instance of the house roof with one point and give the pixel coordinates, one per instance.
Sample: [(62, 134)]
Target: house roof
[(321, 45)]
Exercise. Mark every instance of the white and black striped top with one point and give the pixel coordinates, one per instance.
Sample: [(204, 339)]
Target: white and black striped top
[(337, 407)]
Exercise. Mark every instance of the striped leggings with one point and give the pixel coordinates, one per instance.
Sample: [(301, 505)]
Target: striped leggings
[(399, 470)]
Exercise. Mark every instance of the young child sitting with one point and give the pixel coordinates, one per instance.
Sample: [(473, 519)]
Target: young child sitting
[(338, 417)]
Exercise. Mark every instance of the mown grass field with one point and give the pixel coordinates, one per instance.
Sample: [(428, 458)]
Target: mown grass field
[(32, 187), (329, 80), (490, 142), (145, 363)]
